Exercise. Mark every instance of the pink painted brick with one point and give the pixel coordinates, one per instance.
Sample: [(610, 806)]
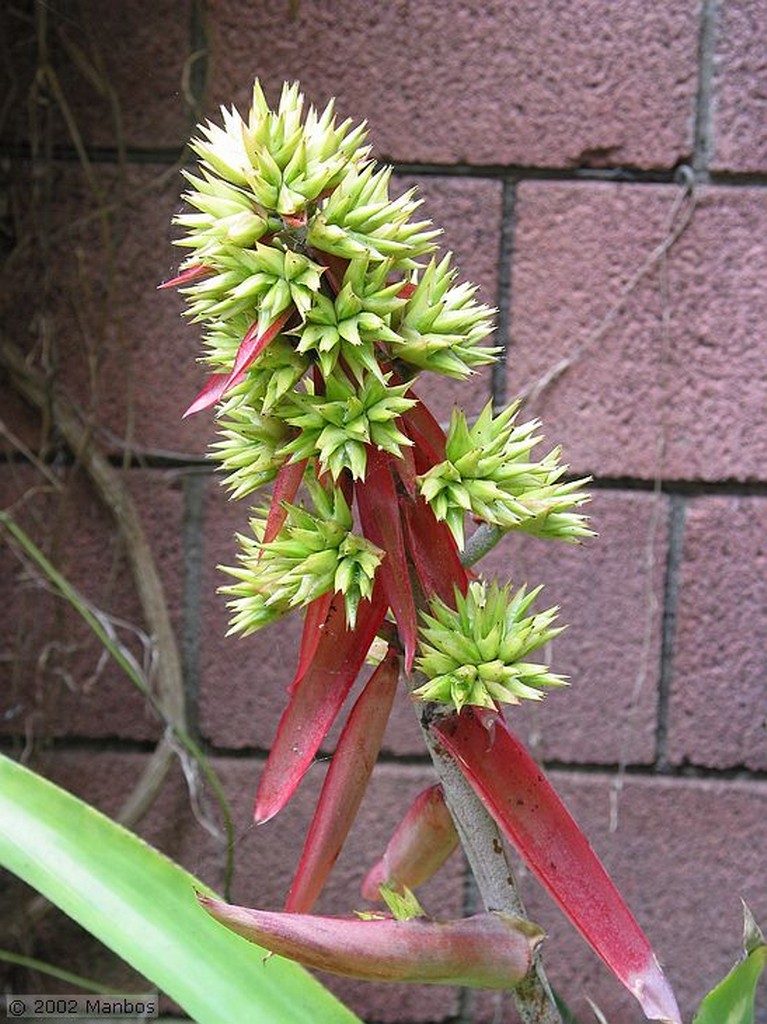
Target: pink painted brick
[(123, 75), (609, 591), (740, 88), (469, 212), (683, 854), (56, 677), (266, 856), (117, 345), (717, 708), (634, 385), (480, 85)]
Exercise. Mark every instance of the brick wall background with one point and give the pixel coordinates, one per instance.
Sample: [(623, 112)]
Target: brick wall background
[(600, 170)]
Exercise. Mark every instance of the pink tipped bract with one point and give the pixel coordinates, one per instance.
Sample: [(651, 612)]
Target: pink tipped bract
[(490, 950)]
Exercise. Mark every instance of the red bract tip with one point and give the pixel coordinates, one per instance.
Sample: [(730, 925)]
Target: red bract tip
[(345, 785), (212, 391), (315, 700), (531, 815), (381, 523), (251, 346), (285, 488), (254, 343), (421, 844), (190, 274)]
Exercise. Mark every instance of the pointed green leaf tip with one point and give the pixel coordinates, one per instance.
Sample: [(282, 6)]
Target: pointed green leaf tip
[(403, 905), (489, 472), (732, 1000), (476, 653)]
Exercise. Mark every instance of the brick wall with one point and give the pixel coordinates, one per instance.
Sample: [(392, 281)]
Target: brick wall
[(600, 170)]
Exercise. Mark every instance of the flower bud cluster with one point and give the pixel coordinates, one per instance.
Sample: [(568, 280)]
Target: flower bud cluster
[(313, 554), (320, 302), (490, 473), (476, 652)]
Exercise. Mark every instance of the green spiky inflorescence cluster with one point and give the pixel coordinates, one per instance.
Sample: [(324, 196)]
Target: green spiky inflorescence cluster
[(489, 473), (314, 553), (475, 653), (320, 301)]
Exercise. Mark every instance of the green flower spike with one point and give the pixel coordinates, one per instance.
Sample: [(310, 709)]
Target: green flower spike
[(262, 281), (441, 325), (488, 472), (248, 451), (348, 327), (226, 217), (281, 162), (314, 553), (359, 219), (338, 425), (475, 654)]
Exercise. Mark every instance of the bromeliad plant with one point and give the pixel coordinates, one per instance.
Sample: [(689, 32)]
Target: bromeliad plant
[(322, 306)]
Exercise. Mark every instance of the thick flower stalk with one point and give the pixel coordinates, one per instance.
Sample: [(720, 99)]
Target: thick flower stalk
[(321, 302)]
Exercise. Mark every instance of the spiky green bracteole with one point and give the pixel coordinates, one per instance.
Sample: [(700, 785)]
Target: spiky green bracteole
[(476, 653), (489, 472)]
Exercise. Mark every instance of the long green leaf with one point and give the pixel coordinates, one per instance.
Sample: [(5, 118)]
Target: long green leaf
[(732, 1000), (87, 984), (142, 905)]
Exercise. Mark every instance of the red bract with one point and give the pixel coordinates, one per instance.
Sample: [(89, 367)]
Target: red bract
[(421, 844), (434, 552), (335, 268), (212, 391), (252, 345), (485, 951), (190, 274), (532, 816), (428, 435), (380, 517), (314, 622), (315, 700), (285, 488), (405, 469), (345, 784)]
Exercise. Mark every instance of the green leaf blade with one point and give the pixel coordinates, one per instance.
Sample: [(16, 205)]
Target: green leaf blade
[(142, 905), (732, 1000)]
